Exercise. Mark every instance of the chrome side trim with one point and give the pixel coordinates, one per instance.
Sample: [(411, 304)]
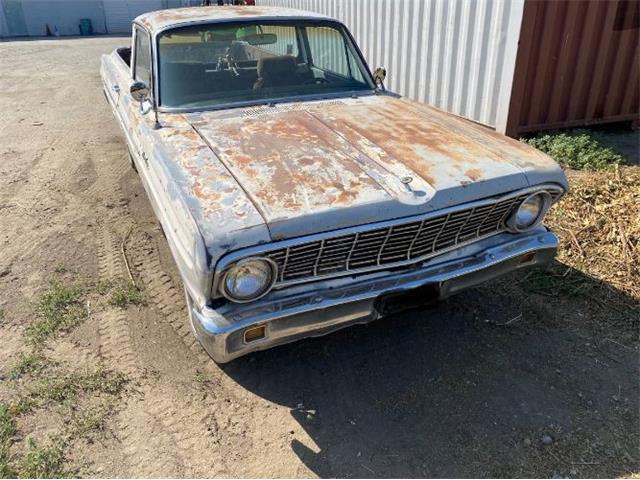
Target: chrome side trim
[(555, 190)]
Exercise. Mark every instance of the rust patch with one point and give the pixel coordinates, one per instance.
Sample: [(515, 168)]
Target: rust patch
[(503, 148), (474, 174), (438, 147), (205, 194), (290, 162), (209, 188)]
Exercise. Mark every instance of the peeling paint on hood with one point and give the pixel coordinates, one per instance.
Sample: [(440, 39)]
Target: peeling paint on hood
[(321, 166)]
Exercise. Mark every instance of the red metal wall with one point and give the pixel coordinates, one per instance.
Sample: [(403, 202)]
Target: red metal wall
[(577, 64)]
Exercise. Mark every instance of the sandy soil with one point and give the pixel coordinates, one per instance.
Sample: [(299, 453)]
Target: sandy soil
[(467, 388)]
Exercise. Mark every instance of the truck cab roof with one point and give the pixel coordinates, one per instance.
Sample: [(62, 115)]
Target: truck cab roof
[(160, 20)]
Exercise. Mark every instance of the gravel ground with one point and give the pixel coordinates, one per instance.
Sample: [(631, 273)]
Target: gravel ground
[(516, 378)]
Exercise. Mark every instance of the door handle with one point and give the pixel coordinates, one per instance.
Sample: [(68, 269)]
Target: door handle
[(115, 88)]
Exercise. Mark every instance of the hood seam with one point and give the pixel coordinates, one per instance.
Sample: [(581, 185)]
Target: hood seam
[(238, 182)]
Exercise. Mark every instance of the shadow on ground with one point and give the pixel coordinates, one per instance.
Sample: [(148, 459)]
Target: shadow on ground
[(470, 387)]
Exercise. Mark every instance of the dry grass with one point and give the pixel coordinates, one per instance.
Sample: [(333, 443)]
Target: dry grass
[(599, 224)]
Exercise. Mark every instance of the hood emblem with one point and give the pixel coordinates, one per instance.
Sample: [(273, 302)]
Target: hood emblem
[(406, 181)]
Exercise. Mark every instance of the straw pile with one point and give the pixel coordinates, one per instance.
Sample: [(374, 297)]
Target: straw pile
[(599, 226)]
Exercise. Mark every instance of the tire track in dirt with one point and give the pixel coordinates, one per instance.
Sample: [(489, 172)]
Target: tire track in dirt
[(147, 446), (187, 422), (163, 431), (199, 431), (11, 341), (115, 338), (146, 443), (83, 357), (222, 420), (166, 296)]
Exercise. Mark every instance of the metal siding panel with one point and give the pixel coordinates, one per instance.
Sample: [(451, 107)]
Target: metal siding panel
[(508, 65), (64, 15), (574, 67), (4, 28), (619, 74), (449, 53), (14, 18), (117, 17), (572, 31), (631, 94), (606, 52), (477, 62), (120, 13)]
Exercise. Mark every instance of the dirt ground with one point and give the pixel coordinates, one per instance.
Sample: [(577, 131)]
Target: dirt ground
[(510, 379)]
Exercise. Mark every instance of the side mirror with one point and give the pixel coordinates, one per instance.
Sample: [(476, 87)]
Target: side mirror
[(139, 91), (379, 74)]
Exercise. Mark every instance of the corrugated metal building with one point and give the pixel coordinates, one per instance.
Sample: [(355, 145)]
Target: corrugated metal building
[(448, 53), (577, 65), (31, 17), (514, 65)]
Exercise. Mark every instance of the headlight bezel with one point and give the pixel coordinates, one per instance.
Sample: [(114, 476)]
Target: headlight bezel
[(547, 200), (268, 287)]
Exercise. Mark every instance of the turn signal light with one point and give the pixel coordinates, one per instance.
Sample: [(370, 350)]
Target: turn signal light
[(255, 333)]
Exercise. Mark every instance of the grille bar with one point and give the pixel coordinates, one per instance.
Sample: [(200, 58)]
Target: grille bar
[(382, 247)]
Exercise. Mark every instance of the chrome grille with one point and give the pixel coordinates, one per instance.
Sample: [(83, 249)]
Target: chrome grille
[(381, 247)]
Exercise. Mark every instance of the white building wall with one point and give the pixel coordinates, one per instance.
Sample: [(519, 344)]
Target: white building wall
[(458, 55), (4, 30), (31, 17), (64, 15), (119, 13)]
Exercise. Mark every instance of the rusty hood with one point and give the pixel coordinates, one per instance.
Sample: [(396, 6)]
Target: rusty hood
[(326, 165)]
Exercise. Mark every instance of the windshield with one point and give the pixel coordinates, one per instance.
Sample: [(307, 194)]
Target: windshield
[(217, 64)]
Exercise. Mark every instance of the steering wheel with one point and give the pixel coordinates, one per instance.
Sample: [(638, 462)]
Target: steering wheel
[(231, 63), (228, 61)]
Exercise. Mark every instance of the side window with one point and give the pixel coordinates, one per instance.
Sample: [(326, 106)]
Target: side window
[(142, 58), (329, 53)]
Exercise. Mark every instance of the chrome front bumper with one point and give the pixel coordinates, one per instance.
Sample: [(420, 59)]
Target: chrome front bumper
[(328, 307)]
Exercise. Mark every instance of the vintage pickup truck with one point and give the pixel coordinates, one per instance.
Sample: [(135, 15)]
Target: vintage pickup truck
[(298, 196)]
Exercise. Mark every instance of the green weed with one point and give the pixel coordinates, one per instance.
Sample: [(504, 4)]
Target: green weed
[(200, 377), (27, 363), (90, 419), (7, 431), (60, 268), (123, 293), (44, 461), (579, 149), (60, 307), (69, 385)]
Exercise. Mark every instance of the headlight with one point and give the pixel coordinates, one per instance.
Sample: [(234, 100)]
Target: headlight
[(530, 212), (248, 279)]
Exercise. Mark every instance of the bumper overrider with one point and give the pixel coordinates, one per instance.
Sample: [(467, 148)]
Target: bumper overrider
[(282, 318)]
